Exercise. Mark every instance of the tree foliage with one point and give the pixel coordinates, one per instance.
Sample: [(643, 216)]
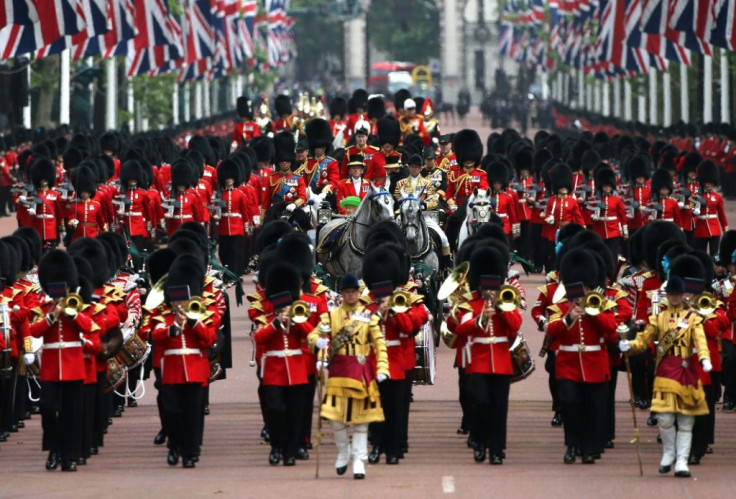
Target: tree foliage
[(408, 30), (319, 37)]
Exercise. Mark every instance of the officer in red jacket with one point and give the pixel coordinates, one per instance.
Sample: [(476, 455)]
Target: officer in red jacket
[(639, 194), (134, 210), (285, 186), (490, 333), (283, 368), (232, 215), (463, 180), (609, 217), (355, 184), (321, 172), (84, 215), (184, 205), (361, 132), (389, 137), (663, 206), (246, 128), (562, 209), (582, 365), (502, 201), (183, 330), (710, 216), (46, 212), (64, 331), (286, 121)]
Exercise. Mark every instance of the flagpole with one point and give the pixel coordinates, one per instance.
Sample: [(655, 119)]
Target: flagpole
[(606, 98), (667, 95), (187, 102), (684, 95), (198, 99), (110, 97), (581, 89), (617, 97), (725, 88), (131, 106), (653, 98), (65, 87), (597, 104), (641, 105), (707, 88), (27, 108), (628, 114), (206, 98), (175, 104)]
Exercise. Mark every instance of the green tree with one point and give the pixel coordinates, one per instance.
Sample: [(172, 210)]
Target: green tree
[(408, 30), (319, 37)]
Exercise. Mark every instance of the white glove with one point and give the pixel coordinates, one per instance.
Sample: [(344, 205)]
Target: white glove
[(707, 366), (29, 358), (681, 204), (624, 345), (321, 343), (22, 199), (381, 377), (256, 220), (696, 212), (290, 207), (321, 364)]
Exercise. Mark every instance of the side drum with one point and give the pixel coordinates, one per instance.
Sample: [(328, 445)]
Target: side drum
[(424, 354), (116, 375), (521, 359), (134, 351)]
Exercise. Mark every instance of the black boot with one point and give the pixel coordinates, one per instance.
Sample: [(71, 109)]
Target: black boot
[(375, 454), (570, 455), (556, 420), (52, 462), (160, 438), (479, 454)]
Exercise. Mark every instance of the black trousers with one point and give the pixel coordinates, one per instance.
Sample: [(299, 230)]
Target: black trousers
[(183, 405), (89, 393), (5, 201), (523, 244), (689, 237), (408, 386), (231, 251), (729, 371), (610, 427), (7, 399), (61, 418), (21, 396), (490, 394), (549, 366), (159, 399), (388, 433), (614, 245), (285, 409), (583, 411), (642, 374), (466, 403), (101, 411), (538, 244), (702, 243), (306, 436), (549, 256)]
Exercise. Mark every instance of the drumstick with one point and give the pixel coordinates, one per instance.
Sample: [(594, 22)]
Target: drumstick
[(622, 330)]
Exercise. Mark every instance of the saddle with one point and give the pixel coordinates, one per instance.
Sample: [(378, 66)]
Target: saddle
[(329, 241)]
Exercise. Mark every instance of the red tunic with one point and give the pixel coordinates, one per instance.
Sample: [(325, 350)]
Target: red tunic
[(289, 188), (318, 174), (670, 211), (642, 196), (506, 208), (49, 214), (367, 153), (712, 217), (62, 357), (88, 216), (184, 355), (190, 209), (564, 210), (346, 188), (377, 167), (282, 358), (611, 219), (235, 214), (461, 183), (135, 212), (245, 131)]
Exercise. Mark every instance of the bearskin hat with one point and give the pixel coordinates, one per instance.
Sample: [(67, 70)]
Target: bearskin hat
[(283, 105), (576, 265), (687, 266), (109, 141), (486, 260), (493, 231), (524, 160), (381, 264), (10, 258), (265, 262), (86, 276), (388, 131), (384, 231), (728, 247), (283, 277), (297, 249), (229, 168), (399, 97), (182, 173), (158, 264), (319, 133), (576, 153), (186, 243), (96, 254), (707, 263), (271, 232), (23, 250), (561, 177), (636, 250), (590, 160), (57, 266), (541, 157), (338, 107), (264, 149), (690, 163), (131, 170), (638, 166), (605, 176), (654, 234), (32, 237), (284, 145), (359, 97), (84, 179), (244, 107), (498, 172), (72, 158), (376, 108), (661, 178), (202, 145), (118, 241), (708, 173), (468, 147), (185, 271), (42, 169)]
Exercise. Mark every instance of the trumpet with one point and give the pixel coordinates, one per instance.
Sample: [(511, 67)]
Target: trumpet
[(508, 298), (400, 302), (72, 304), (195, 308), (704, 303), (593, 303), (299, 312)]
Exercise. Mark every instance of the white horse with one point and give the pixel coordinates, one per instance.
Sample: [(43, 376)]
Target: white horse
[(311, 208), (479, 211)]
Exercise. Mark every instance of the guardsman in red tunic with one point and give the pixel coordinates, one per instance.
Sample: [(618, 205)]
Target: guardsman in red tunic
[(662, 205), (63, 330), (639, 194), (355, 184), (232, 215), (84, 215), (283, 369), (710, 220), (609, 218), (503, 202), (184, 330), (687, 195), (246, 128), (338, 121), (321, 172), (357, 105), (285, 186), (46, 212), (463, 180), (562, 209), (581, 365), (361, 132), (490, 333), (286, 121), (524, 190), (389, 136), (412, 123), (184, 205), (134, 210)]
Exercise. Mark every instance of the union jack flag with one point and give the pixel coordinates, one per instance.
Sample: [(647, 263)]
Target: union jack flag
[(724, 28), (28, 28), (159, 39)]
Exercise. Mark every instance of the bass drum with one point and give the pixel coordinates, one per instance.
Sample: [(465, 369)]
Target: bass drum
[(521, 359), (424, 364)]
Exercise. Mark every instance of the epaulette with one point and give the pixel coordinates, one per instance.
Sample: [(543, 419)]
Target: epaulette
[(552, 276), (99, 307), (254, 297), (257, 305), (16, 292), (609, 305), (543, 289), (620, 293), (416, 298), (366, 299), (321, 288), (647, 274), (261, 319)]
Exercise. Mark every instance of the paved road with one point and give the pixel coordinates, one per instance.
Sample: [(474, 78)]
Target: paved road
[(234, 462)]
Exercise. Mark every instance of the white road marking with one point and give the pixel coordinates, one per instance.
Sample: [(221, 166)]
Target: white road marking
[(448, 484)]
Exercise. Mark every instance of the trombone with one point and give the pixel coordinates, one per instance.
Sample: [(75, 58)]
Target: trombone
[(400, 302), (71, 304), (593, 303), (508, 298), (704, 303), (299, 312)]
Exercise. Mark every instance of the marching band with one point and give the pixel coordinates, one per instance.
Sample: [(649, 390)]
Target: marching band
[(137, 286)]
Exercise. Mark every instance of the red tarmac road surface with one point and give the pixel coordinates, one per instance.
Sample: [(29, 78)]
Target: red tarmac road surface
[(234, 461)]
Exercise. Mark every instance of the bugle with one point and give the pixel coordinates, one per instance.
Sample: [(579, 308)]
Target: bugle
[(299, 312), (400, 302), (72, 304), (593, 303), (508, 298), (705, 303)]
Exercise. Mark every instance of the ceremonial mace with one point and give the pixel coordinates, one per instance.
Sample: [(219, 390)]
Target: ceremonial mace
[(623, 331)]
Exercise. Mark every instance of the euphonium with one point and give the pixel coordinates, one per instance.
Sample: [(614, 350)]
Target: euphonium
[(705, 304), (454, 280), (155, 296), (72, 304), (299, 312), (593, 303), (400, 302), (508, 298), (195, 308)]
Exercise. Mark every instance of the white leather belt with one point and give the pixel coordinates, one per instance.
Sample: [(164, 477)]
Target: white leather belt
[(580, 348), (393, 343), (490, 340), (667, 219), (502, 215), (283, 353), (609, 219), (182, 217), (44, 216), (183, 351), (133, 214), (232, 215), (63, 344), (707, 217)]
